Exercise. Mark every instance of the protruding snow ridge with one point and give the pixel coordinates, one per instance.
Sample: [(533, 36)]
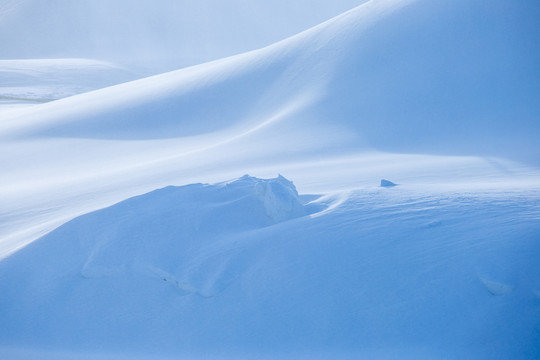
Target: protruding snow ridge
[(181, 268), (280, 199), (278, 195), (153, 230), (387, 183)]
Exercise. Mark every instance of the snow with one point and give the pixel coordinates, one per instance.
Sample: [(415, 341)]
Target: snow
[(387, 183), (401, 269), (34, 81), (154, 38), (285, 103), (439, 97)]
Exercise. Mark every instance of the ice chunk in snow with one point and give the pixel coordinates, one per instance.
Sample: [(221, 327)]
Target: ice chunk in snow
[(278, 196), (280, 199), (387, 183)]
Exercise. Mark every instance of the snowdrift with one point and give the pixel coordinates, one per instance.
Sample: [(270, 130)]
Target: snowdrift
[(238, 269), (150, 37), (404, 89), (442, 266), (405, 76)]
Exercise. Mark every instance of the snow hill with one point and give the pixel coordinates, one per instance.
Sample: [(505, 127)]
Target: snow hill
[(407, 90), (239, 269), (25, 82), (154, 37), (439, 97)]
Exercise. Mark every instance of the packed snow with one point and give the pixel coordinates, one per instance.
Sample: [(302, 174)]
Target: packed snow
[(412, 229)]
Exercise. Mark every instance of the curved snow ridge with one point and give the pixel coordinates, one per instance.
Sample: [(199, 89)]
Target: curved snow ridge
[(404, 76), (173, 233), (165, 221), (206, 97)]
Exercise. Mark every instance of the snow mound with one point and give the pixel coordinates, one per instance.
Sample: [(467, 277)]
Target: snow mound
[(187, 270), (147, 232)]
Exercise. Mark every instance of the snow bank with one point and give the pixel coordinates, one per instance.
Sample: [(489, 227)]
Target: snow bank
[(235, 270), (140, 231)]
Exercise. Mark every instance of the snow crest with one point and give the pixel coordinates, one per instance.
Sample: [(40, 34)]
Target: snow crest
[(280, 199), (154, 229)]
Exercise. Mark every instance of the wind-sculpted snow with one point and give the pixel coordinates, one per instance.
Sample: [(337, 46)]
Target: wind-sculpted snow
[(439, 97), (238, 269), (151, 232), (348, 94), (403, 76), (154, 37)]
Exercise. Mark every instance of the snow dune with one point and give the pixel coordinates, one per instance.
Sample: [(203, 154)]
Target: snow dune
[(414, 91), (150, 37), (239, 269), (332, 95)]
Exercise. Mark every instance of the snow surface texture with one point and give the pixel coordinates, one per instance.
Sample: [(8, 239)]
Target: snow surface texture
[(440, 97), (239, 268), (318, 107)]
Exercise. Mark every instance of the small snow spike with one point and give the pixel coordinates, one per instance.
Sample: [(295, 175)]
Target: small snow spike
[(387, 183)]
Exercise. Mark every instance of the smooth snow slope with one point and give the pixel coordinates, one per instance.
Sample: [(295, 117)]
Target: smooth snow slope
[(439, 97), (237, 270), (154, 37), (27, 82), (369, 71), (375, 92)]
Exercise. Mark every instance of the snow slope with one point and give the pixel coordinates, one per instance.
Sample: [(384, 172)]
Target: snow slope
[(347, 94), (154, 37), (439, 97), (26, 82), (237, 270)]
